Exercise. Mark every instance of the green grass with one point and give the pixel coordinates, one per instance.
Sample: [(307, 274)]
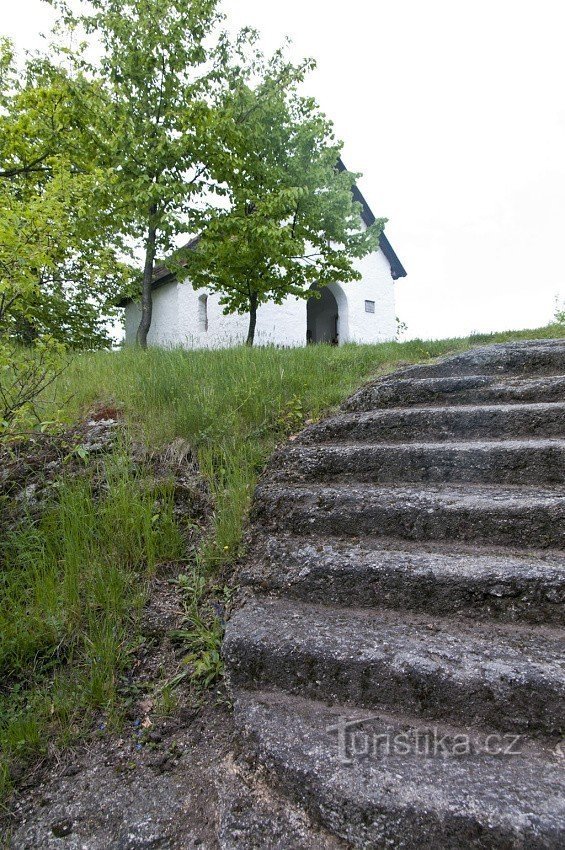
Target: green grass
[(233, 406), (72, 584)]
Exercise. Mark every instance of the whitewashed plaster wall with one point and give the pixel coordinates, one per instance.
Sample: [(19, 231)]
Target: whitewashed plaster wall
[(283, 324), (376, 285), (178, 317), (164, 324)]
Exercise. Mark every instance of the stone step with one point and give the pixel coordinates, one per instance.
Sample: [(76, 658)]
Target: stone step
[(395, 795), (368, 573), (531, 357), (509, 678), (253, 815), (533, 517), (469, 389), (463, 422), (484, 462)]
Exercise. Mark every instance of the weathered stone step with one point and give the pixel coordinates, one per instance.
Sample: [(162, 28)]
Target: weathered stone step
[(469, 389), (531, 357), (407, 799), (369, 573), (508, 678), (463, 422), (533, 517), (442, 602), (485, 462)]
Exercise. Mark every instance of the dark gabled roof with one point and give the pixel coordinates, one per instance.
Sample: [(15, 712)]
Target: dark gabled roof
[(396, 268), (163, 275)]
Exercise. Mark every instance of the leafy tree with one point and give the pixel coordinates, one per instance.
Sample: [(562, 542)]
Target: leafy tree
[(60, 268), (158, 79), (290, 220)]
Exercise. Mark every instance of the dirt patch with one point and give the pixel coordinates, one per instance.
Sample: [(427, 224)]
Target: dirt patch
[(30, 467), (144, 788)]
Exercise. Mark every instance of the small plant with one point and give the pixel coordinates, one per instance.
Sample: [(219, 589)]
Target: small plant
[(25, 376), (202, 632), (292, 416), (166, 698), (401, 328)]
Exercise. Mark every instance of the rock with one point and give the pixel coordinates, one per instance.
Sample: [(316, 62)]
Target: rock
[(62, 828), (405, 577)]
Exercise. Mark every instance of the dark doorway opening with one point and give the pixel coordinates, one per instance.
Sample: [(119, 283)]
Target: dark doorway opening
[(322, 318)]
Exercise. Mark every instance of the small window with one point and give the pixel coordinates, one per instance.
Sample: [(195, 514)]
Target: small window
[(369, 306), (203, 313)]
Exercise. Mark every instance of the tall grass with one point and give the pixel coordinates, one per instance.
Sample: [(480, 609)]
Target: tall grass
[(71, 586), (234, 405)]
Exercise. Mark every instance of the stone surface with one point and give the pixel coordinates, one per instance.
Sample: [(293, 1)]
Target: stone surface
[(406, 800), (406, 570), (450, 581), (253, 815), (438, 424), (511, 679), (539, 461), (528, 516), (529, 357), (468, 389)]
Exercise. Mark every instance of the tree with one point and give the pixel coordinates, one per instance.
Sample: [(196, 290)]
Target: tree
[(158, 78), (60, 258), (290, 220)]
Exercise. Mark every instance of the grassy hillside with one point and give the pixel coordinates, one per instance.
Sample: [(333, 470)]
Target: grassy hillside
[(234, 405), (74, 580)]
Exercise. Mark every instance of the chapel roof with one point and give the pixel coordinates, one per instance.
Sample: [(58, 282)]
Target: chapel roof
[(396, 268), (163, 275)]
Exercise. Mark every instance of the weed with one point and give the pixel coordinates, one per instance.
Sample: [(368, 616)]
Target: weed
[(72, 586)]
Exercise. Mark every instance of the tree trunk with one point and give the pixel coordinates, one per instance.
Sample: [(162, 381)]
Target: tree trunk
[(146, 293), (252, 319)]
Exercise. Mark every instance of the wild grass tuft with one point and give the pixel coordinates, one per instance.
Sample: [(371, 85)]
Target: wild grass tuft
[(71, 586)]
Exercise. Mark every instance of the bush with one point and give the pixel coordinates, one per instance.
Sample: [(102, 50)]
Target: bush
[(25, 376)]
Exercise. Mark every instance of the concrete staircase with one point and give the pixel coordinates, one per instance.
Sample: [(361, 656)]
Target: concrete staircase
[(397, 658)]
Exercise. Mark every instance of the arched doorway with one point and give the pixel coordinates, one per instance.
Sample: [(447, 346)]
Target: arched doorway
[(322, 318)]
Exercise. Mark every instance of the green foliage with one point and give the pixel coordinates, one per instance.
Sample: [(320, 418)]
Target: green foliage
[(71, 589), (25, 375), (60, 268), (289, 220), (157, 77)]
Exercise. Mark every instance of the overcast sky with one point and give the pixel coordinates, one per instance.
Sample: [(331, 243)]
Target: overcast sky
[(455, 114)]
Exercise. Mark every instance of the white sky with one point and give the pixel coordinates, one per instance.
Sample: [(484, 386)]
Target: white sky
[(455, 114)]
